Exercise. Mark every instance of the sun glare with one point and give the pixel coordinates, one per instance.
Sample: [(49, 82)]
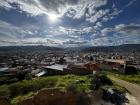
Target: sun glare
[(53, 17)]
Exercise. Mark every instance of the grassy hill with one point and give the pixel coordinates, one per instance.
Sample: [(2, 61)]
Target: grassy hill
[(27, 88)]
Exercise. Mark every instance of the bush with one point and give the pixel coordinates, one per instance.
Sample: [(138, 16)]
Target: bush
[(72, 87), (7, 80), (26, 86), (4, 91), (18, 99), (100, 80)]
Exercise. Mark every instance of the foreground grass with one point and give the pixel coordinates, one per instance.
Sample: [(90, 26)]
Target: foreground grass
[(20, 98), (135, 78), (27, 88)]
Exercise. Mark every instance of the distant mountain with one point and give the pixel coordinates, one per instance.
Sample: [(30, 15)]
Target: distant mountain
[(29, 48), (120, 48)]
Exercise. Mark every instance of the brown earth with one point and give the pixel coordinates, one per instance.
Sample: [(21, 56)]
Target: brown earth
[(57, 97), (4, 101)]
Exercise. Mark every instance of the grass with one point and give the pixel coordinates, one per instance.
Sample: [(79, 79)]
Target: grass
[(7, 80), (18, 99), (70, 80), (116, 87), (27, 88), (135, 78), (112, 84)]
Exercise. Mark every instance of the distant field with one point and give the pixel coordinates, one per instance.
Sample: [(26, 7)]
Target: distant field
[(130, 78)]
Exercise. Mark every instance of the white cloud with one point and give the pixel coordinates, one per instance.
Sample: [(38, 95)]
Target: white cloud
[(124, 29), (90, 10), (75, 9), (99, 14), (105, 31), (5, 4), (75, 43), (130, 29), (11, 33)]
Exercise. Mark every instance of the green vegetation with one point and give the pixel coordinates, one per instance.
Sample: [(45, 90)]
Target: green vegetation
[(116, 87), (106, 83), (135, 78), (80, 83), (27, 88), (7, 80), (18, 99)]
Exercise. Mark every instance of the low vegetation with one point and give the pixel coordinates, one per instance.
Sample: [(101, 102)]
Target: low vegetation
[(135, 78), (27, 88), (7, 80), (101, 80), (24, 89)]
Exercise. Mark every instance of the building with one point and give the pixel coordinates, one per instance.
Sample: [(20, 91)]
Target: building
[(92, 66), (8, 71), (118, 65), (77, 70), (54, 69)]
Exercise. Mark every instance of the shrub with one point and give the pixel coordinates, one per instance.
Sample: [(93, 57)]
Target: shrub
[(4, 91), (100, 80), (26, 86), (72, 87)]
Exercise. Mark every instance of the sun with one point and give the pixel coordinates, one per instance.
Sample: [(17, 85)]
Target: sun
[(53, 17)]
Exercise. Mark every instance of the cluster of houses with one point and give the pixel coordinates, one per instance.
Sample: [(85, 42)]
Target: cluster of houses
[(54, 65), (120, 66)]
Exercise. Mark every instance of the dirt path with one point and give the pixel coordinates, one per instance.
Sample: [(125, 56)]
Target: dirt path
[(132, 88)]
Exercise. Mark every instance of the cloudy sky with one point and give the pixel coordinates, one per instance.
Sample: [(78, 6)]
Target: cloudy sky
[(67, 23)]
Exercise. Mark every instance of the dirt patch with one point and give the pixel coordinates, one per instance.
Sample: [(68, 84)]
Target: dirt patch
[(4, 101), (132, 100), (57, 97)]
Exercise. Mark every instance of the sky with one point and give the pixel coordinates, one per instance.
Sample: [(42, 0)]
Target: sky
[(69, 23)]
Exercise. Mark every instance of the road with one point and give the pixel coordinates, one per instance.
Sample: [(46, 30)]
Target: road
[(132, 88)]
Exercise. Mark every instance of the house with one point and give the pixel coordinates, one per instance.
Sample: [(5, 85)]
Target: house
[(77, 70), (33, 72), (92, 66), (54, 69), (113, 64), (2, 65), (130, 69), (118, 65), (41, 73), (3, 71), (8, 71)]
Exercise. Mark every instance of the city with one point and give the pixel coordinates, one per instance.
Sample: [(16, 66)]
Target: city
[(29, 63)]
